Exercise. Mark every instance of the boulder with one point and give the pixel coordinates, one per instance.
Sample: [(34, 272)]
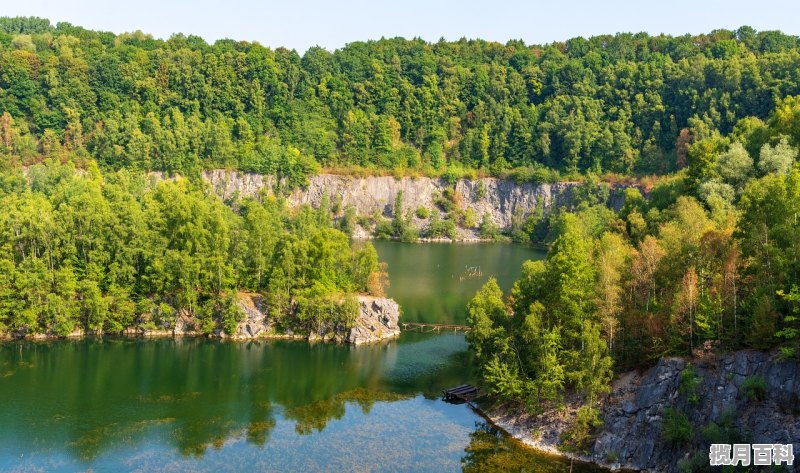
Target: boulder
[(377, 320)]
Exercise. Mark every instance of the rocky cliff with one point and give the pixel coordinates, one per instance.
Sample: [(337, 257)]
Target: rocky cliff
[(377, 320), (747, 397), (725, 391), (368, 195)]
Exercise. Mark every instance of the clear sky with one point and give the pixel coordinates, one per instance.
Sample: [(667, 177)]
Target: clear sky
[(300, 24)]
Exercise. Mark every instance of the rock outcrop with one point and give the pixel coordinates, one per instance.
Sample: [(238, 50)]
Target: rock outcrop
[(500, 198), (256, 322), (377, 320), (633, 415)]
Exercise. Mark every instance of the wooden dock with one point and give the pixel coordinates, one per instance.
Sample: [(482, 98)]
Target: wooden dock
[(420, 327), (463, 393)]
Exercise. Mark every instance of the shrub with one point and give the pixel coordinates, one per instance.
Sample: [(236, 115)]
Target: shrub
[(470, 218), (480, 191), (445, 201), (422, 212), (676, 428), (581, 433), (755, 388), (689, 384), (488, 229), (698, 461), (384, 229)]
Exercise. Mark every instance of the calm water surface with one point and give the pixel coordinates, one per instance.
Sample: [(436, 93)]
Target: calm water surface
[(205, 405), (433, 282)]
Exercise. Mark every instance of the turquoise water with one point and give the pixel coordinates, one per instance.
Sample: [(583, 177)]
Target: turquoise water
[(174, 405)]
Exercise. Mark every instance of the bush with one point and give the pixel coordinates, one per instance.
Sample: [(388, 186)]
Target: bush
[(755, 388), (423, 213), (676, 428), (470, 218), (384, 229), (488, 229), (689, 384), (439, 228), (480, 191), (445, 201), (698, 461), (580, 435)]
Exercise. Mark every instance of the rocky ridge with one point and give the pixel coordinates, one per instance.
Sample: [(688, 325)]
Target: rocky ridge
[(500, 198)]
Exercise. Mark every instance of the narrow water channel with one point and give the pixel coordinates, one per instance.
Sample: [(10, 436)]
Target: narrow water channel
[(169, 405)]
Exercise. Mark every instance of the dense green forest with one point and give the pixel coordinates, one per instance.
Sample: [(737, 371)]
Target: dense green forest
[(83, 250), (705, 255), (709, 261), (625, 103)]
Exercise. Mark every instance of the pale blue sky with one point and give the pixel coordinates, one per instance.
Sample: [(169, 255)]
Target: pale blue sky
[(300, 24)]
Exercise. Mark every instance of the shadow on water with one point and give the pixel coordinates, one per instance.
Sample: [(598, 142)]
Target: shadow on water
[(205, 405)]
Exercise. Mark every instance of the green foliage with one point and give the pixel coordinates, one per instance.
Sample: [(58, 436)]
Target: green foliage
[(440, 228), (108, 252), (470, 218), (480, 190), (553, 340), (423, 212), (488, 229), (579, 436), (447, 108), (676, 428), (690, 382), (755, 388)]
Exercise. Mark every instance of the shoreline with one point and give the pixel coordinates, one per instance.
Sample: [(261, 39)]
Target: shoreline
[(529, 435), (509, 423), (339, 339)]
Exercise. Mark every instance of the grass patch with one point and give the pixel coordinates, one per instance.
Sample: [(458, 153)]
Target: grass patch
[(676, 429), (755, 388)]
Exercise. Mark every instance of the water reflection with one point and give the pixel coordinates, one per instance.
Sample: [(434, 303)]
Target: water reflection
[(203, 405), (86, 397)]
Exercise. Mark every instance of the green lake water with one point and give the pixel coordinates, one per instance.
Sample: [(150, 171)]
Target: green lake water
[(174, 405)]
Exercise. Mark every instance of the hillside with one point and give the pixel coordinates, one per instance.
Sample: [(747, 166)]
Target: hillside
[(615, 103)]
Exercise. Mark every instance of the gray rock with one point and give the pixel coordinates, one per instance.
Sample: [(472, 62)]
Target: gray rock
[(500, 199), (377, 320), (633, 413)]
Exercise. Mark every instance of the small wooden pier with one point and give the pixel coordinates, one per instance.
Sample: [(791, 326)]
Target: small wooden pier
[(420, 327), (458, 394)]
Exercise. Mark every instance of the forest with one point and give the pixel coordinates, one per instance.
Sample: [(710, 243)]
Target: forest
[(624, 103), (706, 262), (703, 254), (82, 250)]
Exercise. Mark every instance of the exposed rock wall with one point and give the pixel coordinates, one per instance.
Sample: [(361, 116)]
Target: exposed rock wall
[(377, 320), (633, 415), (499, 198)]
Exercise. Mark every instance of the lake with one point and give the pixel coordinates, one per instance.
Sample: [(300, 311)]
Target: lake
[(189, 404)]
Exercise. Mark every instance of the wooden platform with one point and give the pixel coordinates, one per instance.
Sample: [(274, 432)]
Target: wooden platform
[(420, 327), (463, 393)]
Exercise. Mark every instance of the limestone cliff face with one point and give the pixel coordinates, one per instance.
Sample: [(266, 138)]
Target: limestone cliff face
[(497, 197)]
